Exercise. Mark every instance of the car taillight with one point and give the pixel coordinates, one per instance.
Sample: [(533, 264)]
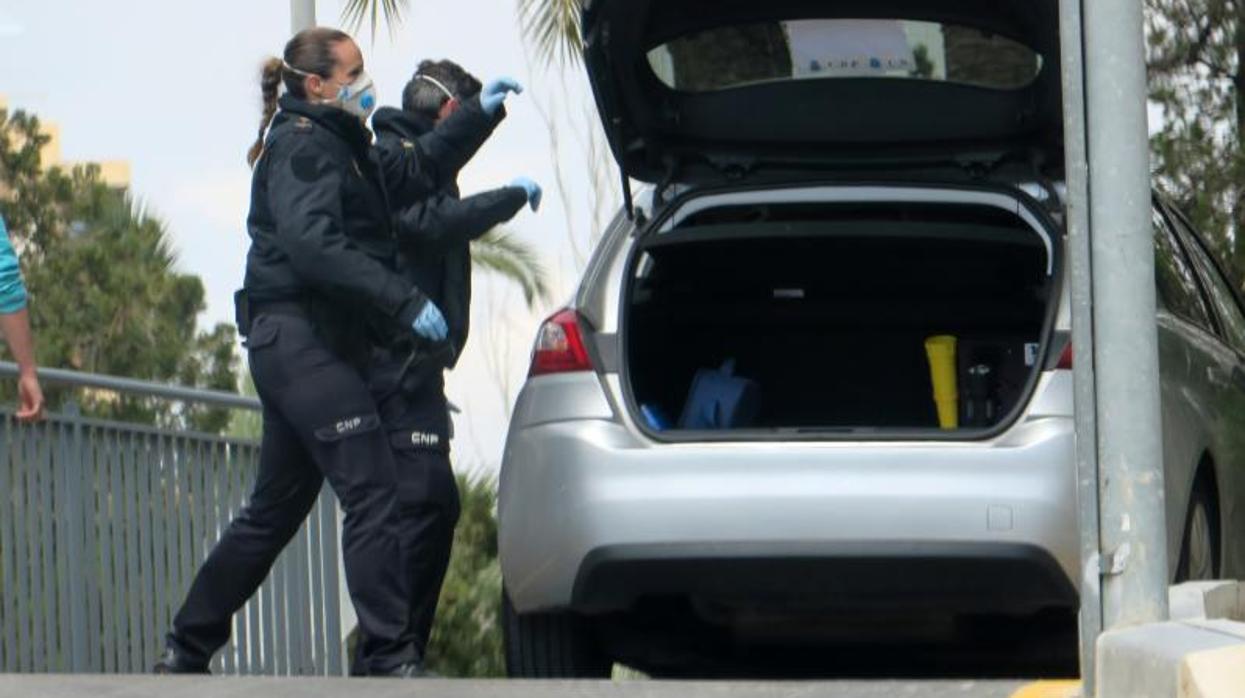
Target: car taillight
[(560, 346), (1065, 359)]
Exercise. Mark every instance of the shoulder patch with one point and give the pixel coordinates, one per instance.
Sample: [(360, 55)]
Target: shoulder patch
[(303, 124), (305, 166)]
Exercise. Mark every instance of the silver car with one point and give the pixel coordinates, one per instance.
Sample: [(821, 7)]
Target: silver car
[(731, 437)]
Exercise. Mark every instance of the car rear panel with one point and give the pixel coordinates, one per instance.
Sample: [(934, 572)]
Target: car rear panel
[(584, 492), (572, 488)]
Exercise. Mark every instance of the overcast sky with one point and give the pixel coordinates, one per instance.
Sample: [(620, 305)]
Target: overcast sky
[(172, 86)]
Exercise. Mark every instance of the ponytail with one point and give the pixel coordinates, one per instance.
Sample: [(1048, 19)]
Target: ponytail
[(269, 83), (309, 52)]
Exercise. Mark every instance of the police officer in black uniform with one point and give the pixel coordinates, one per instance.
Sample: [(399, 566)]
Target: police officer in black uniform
[(320, 291), (434, 235)]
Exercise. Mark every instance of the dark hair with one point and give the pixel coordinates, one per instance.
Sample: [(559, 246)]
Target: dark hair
[(310, 51), (425, 98)]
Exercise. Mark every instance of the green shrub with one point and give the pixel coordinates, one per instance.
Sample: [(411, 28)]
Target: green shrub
[(466, 638)]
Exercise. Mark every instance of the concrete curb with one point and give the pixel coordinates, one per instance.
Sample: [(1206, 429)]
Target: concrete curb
[(1185, 659), (86, 686), (1208, 600)]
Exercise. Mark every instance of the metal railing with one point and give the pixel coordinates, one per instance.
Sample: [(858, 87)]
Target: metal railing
[(103, 525)]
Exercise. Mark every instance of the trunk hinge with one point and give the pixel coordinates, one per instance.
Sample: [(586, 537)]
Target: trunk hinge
[(628, 204)]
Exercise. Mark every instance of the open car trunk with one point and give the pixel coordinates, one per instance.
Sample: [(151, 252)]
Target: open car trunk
[(824, 312)]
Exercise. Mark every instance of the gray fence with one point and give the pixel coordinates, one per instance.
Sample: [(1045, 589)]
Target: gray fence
[(102, 527)]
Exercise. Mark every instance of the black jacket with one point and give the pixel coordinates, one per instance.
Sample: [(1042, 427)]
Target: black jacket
[(320, 223), (434, 234)]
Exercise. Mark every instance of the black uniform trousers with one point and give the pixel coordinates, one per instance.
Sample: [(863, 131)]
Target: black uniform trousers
[(320, 421), (417, 423)]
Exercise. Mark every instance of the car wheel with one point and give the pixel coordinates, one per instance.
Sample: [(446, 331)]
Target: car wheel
[(557, 645), (1199, 551)]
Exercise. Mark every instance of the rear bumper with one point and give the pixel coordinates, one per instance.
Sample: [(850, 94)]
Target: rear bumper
[(583, 509), (946, 577), (592, 516)]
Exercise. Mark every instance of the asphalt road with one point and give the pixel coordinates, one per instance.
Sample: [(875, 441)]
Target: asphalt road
[(12, 686)]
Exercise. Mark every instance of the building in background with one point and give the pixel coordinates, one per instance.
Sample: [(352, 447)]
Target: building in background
[(114, 173)]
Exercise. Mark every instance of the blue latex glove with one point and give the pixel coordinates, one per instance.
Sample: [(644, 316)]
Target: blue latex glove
[(533, 190), (494, 94), (430, 324)]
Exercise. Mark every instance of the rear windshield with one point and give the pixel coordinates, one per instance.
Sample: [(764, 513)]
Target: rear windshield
[(722, 58)]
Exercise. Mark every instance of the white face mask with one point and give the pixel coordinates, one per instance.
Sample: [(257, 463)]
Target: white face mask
[(358, 98)]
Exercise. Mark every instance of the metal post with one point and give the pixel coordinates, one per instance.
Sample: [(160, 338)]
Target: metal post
[(1076, 169), (1130, 445), (302, 15), (77, 517)]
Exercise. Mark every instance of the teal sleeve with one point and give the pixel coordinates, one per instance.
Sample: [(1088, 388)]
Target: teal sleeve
[(12, 288)]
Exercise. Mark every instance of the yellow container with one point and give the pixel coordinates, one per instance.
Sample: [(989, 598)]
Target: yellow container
[(941, 353)]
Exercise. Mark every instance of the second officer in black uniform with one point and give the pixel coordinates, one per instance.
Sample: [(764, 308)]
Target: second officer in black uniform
[(434, 235), (320, 287)]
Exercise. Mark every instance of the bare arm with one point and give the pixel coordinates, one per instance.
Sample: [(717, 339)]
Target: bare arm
[(15, 324), (16, 329)]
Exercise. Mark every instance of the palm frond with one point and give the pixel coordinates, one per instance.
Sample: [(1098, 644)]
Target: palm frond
[(552, 29), (356, 13), (500, 253), (130, 214)]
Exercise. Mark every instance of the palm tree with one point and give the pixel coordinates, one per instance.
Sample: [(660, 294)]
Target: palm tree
[(356, 13), (551, 27), (499, 253)]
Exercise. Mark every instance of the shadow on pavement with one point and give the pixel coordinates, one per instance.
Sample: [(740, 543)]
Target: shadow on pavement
[(1043, 646)]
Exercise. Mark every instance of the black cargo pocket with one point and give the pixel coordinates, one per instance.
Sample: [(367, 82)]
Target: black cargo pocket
[(425, 478), (263, 333), (348, 427)]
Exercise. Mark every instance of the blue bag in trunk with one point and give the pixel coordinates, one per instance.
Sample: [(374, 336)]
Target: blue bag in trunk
[(719, 399)]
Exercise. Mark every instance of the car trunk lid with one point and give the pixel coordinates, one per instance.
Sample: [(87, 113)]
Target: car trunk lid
[(692, 91)]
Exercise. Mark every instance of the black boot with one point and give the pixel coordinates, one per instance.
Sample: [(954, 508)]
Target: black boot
[(173, 663)]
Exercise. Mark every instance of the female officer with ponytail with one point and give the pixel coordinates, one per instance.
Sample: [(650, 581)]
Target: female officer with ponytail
[(320, 289)]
